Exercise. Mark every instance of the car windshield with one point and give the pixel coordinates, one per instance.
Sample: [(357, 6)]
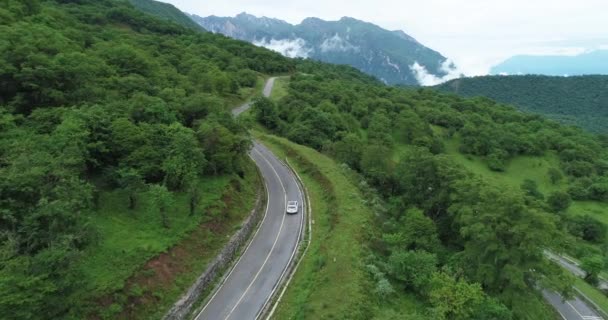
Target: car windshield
[(292, 203)]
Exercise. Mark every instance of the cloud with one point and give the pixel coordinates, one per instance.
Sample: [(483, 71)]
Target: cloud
[(425, 78), (292, 48), (336, 43)]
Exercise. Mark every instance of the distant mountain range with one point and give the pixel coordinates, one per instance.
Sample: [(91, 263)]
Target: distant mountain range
[(578, 100), (595, 62), (392, 56)]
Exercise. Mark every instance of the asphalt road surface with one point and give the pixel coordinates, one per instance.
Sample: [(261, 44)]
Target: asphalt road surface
[(256, 274), (267, 90), (574, 309), (574, 268)]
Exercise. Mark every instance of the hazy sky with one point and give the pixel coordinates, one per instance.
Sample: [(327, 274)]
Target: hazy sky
[(476, 34)]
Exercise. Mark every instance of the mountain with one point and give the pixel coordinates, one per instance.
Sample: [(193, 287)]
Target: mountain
[(392, 56), (595, 62), (165, 11), (579, 100)]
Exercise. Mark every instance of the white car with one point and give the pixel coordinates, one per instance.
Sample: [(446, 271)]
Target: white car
[(292, 207)]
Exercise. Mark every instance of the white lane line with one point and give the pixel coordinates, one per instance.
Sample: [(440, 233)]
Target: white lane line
[(308, 215), (296, 246), (273, 245), (247, 248), (575, 310)]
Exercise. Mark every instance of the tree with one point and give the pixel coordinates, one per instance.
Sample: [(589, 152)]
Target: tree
[(587, 228), (266, 112), (593, 265), (454, 299), (504, 241), (555, 175), (412, 268), (185, 158), (559, 201), (379, 130), (377, 166), (530, 188), (224, 147), (132, 182), (162, 200), (413, 231), (349, 150)]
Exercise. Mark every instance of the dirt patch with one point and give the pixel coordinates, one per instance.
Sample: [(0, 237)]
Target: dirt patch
[(158, 275)]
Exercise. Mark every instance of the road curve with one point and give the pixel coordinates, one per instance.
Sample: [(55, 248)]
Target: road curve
[(253, 279), (267, 90)]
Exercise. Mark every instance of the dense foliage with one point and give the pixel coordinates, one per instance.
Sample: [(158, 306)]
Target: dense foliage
[(166, 11), (96, 95), (445, 232), (581, 101)]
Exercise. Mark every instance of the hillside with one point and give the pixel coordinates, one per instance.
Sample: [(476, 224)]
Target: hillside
[(589, 63), (123, 172), (580, 101), (166, 11), (391, 56), (466, 194)]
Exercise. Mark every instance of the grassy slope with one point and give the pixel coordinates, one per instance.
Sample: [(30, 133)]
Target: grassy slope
[(129, 238), (331, 282), (527, 167), (141, 267)]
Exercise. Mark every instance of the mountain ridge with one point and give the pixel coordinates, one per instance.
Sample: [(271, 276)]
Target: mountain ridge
[(587, 63), (394, 57)]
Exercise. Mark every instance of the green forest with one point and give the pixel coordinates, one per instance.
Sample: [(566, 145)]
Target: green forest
[(579, 100), (467, 246), (115, 134), (98, 98), (166, 11)]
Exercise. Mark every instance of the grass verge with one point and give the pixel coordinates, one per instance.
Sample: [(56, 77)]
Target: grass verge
[(593, 294), (331, 282), (279, 90)]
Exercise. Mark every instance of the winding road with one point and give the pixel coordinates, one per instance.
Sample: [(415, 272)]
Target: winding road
[(575, 308), (255, 276)]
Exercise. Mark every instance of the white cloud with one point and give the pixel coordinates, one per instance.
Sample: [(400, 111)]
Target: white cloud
[(293, 48), (336, 43), (426, 79)]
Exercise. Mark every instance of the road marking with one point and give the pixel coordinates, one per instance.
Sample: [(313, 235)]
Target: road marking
[(295, 248), (275, 240), (247, 248), (576, 310), (300, 184), (573, 308)]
